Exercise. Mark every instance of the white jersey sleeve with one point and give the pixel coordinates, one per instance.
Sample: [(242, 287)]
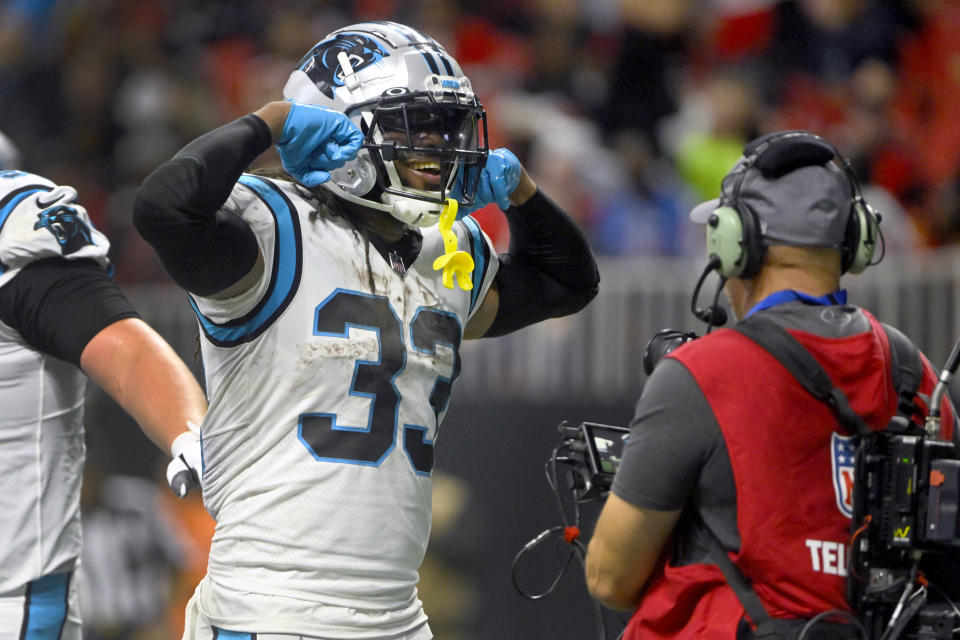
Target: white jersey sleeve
[(40, 220), (248, 203)]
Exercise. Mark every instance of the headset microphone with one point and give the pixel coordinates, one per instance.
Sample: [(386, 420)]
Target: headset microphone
[(714, 315)]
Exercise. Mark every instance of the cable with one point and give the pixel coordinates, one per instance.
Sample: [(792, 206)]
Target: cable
[(568, 532), (946, 597), (836, 613), (714, 315), (883, 243), (894, 625), (541, 537)]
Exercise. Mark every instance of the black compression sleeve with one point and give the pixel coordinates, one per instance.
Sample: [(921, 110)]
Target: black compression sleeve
[(59, 305), (177, 210), (549, 270)]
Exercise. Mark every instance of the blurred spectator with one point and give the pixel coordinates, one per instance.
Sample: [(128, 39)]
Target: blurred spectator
[(627, 110), (924, 117), (646, 214), (642, 82), (116, 85), (717, 116), (132, 552)]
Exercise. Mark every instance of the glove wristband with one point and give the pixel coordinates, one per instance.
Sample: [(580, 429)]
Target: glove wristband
[(181, 442)]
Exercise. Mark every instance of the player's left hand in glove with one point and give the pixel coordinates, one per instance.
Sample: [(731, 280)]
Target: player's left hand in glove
[(499, 178), (314, 141), (185, 471)]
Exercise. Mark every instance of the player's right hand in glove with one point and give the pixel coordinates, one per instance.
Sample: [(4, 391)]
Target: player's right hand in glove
[(185, 471), (315, 140)]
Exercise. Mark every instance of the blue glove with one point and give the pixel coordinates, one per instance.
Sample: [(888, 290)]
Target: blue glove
[(498, 179), (315, 140)]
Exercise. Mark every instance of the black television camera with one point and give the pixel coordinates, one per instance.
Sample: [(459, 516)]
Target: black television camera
[(594, 452), (903, 575)]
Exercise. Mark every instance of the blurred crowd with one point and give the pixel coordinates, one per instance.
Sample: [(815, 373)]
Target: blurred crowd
[(626, 111)]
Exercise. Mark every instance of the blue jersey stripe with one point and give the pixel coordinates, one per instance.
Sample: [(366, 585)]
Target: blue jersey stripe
[(481, 257), (14, 199), (284, 279), (45, 611), (223, 634)]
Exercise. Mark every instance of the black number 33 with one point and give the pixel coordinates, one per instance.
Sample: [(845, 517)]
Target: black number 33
[(376, 379)]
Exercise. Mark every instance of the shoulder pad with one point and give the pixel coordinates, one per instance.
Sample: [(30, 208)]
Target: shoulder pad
[(40, 220), (14, 179)]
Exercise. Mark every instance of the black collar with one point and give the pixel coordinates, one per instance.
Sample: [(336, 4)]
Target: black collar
[(400, 254)]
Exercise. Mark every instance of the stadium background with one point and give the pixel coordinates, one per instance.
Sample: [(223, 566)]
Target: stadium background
[(626, 111)]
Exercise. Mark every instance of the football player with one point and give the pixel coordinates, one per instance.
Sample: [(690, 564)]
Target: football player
[(332, 306), (62, 316)]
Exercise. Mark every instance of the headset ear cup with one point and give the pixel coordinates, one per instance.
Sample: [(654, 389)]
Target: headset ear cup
[(753, 247), (861, 239), (725, 241)]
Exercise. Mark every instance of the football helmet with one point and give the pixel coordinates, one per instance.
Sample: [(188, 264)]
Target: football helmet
[(9, 154), (420, 118)]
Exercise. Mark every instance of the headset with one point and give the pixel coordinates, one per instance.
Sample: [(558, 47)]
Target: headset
[(734, 235)]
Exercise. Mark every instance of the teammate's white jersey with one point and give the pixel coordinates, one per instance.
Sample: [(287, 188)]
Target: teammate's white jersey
[(327, 383), (41, 420)]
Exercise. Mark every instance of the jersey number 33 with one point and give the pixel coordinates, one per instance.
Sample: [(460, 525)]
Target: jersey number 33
[(376, 379)]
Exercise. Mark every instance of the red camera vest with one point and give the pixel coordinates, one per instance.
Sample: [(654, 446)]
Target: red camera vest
[(793, 472)]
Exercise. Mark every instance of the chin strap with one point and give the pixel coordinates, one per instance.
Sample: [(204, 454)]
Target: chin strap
[(453, 262)]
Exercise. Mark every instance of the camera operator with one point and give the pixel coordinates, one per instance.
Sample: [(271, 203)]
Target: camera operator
[(727, 449)]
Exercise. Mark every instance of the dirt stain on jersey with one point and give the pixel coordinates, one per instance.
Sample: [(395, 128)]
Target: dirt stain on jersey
[(430, 298), (319, 357)]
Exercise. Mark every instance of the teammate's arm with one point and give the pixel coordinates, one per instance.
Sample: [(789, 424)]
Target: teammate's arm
[(143, 374), (72, 310), (549, 270)]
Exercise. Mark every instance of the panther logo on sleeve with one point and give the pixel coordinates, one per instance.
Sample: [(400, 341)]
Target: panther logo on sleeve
[(322, 66), (66, 225)]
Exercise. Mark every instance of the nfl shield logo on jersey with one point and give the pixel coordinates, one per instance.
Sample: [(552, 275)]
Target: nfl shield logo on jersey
[(843, 451)]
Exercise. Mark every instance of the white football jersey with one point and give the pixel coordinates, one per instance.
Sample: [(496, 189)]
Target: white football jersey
[(41, 428), (327, 384)]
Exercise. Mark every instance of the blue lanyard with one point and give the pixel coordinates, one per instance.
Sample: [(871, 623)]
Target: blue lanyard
[(789, 295)]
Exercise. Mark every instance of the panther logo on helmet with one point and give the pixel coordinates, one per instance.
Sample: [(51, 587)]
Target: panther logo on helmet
[(67, 227), (322, 66)]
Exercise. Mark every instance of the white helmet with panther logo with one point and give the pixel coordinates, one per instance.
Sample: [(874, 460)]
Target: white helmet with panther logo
[(416, 108)]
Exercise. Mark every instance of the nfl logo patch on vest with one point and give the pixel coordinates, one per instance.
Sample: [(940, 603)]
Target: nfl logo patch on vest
[(396, 263), (842, 452)]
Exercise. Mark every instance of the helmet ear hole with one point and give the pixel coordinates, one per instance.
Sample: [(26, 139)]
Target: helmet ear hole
[(357, 177)]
